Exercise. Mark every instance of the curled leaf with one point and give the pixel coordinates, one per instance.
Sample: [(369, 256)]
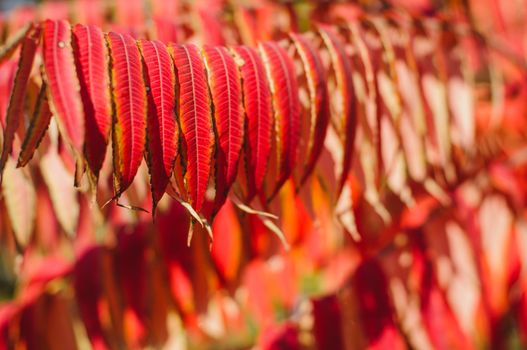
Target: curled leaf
[(16, 102)]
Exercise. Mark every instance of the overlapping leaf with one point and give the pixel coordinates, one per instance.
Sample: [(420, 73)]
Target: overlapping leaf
[(38, 125), (257, 107), (155, 96), (319, 101), (370, 126), (412, 123), (346, 112), (195, 119), (420, 320), (459, 89), (389, 106), (434, 95), (9, 47), (19, 194), (162, 129), (16, 103), (7, 76), (224, 82), (91, 56), (129, 94), (63, 82), (286, 106)]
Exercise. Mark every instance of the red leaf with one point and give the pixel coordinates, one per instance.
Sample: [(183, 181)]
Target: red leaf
[(62, 81), (195, 119), (280, 71), (7, 76), (346, 121), (224, 81), (163, 133), (16, 102), (37, 128), (256, 102), (129, 128), (319, 101), (91, 56)]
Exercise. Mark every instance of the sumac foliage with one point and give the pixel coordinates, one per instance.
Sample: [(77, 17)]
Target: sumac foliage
[(300, 175)]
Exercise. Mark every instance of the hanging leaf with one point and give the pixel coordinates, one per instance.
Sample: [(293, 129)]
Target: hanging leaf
[(9, 47), (37, 127), (224, 82), (63, 83), (18, 93), (19, 194), (346, 110), (195, 120), (284, 89), (434, 95), (257, 107), (319, 101), (91, 58), (162, 130), (64, 197), (412, 123), (7, 78), (459, 88), (129, 124), (389, 107), (369, 147)]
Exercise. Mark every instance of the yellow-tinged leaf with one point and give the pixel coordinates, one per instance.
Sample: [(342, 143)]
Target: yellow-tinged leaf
[(63, 195), (20, 200)]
